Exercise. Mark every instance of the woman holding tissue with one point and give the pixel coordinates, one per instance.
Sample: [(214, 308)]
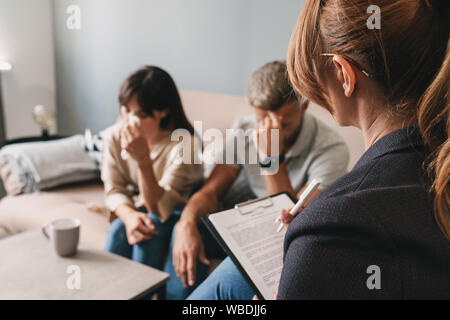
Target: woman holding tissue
[(145, 174)]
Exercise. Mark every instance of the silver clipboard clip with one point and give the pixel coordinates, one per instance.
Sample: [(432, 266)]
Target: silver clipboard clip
[(264, 202)]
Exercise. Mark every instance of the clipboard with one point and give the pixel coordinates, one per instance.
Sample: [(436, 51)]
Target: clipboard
[(246, 208)]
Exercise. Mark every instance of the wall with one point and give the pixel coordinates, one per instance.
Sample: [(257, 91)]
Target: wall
[(26, 41), (207, 45)]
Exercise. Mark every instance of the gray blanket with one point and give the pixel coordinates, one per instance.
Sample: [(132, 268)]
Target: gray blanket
[(30, 167)]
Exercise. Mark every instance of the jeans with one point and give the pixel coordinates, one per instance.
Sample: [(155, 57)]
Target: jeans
[(151, 252), (154, 251), (225, 283)]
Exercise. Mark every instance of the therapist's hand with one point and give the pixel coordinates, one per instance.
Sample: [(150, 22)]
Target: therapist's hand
[(286, 218), (187, 248)]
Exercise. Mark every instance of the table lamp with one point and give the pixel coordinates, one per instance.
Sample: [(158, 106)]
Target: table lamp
[(45, 118)]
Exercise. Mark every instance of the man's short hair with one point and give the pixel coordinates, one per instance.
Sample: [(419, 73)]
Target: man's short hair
[(269, 87)]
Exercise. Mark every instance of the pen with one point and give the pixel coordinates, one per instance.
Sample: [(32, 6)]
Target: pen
[(304, 197)]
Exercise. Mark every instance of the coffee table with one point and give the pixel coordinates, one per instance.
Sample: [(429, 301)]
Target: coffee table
[(30, 269)]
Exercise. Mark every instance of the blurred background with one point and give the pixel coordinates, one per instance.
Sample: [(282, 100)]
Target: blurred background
[(206, 45), (62, 63)]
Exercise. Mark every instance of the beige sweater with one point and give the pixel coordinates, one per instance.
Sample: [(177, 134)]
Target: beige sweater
[(120, 177)]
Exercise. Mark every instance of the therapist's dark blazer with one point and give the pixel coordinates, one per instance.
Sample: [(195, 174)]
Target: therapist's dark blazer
[(379, 214)]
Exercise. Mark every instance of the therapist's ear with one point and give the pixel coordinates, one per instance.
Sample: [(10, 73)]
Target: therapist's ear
[(346, 74)]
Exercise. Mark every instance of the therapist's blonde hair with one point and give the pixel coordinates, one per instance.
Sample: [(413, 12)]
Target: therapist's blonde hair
[(409, 57)]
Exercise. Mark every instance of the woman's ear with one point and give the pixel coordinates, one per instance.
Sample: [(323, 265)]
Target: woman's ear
[(346, 74)]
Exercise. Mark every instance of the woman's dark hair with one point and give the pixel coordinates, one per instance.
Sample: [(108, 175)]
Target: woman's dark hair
[(155, 90)]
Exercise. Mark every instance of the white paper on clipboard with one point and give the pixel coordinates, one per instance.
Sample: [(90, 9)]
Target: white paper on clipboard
[(250, 233)]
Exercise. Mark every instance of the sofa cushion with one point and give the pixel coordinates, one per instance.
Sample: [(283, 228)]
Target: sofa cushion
[(29, 211), (3, 233), (32, 166)]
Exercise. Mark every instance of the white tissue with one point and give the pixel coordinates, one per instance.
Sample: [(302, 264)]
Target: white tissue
[(133, 120)]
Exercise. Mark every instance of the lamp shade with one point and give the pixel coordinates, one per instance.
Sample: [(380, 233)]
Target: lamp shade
[(43, 116), (5, 66)]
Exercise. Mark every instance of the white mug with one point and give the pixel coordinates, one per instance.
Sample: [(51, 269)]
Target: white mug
[(64, 235)]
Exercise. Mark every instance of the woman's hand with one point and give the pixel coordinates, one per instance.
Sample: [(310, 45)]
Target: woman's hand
[(132, 140), (139, 227), (285, 217)]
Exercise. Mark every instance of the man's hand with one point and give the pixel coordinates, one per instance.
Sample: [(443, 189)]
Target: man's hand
[(188, 246), (139, 227), (262, 136), (132, 140)]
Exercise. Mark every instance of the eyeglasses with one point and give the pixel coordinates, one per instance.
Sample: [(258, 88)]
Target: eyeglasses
[(356, 64)]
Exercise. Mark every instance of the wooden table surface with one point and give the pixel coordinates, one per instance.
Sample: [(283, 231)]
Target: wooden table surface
[(30, 269)]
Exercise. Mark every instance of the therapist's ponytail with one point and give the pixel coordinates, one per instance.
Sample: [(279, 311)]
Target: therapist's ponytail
[(434, 124)]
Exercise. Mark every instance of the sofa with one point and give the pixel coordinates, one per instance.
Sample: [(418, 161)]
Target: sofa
[(84, 200)]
